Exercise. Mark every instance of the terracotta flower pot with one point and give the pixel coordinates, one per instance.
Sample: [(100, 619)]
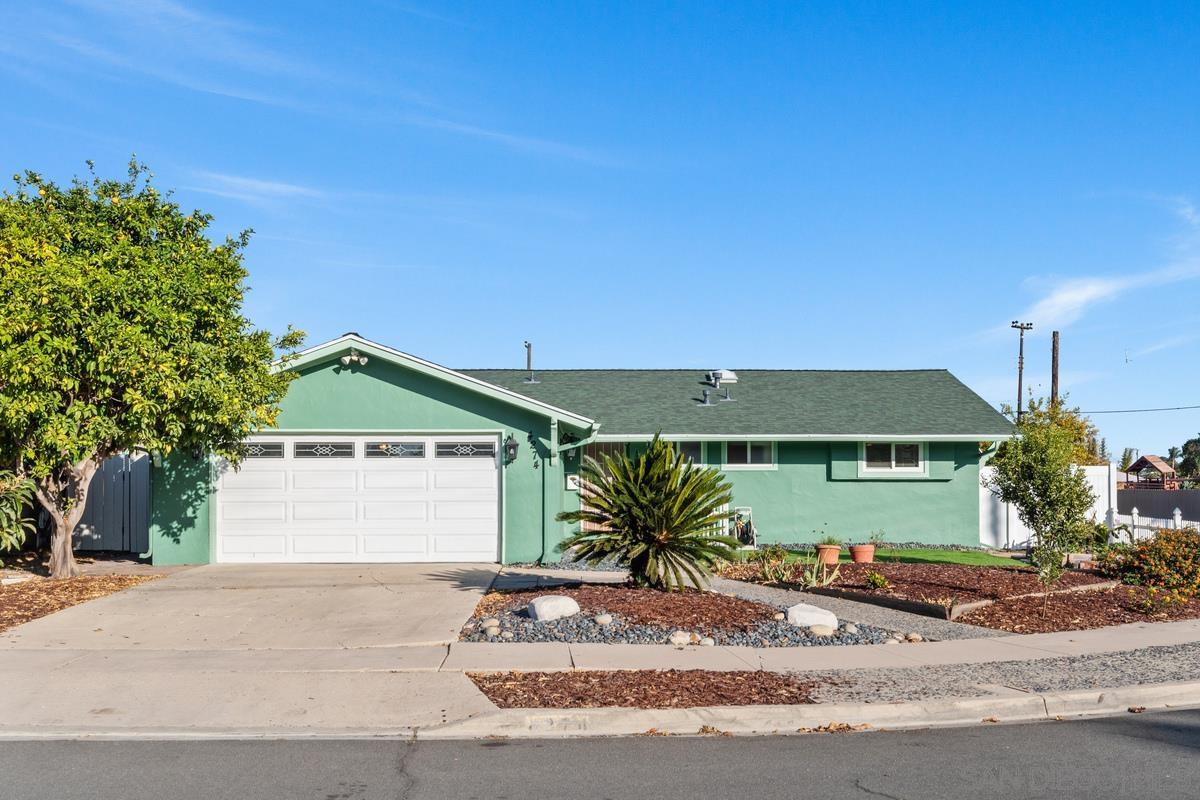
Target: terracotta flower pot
[(862, 553), (828, 553)]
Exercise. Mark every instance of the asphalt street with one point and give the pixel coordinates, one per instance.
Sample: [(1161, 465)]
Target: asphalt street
[(1131, 756)]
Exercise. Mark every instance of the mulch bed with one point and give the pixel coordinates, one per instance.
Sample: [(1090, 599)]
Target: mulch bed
[(642, 689), (37, 597), (689, 609), (939, 583), (1073, 611)]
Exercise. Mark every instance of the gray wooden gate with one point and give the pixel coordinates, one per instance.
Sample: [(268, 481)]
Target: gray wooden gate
[(117, 515)]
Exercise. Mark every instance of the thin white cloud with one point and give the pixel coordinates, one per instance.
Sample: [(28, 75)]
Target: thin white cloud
[(531, 144), (255, 191), (1169, 343), (1065, 301)]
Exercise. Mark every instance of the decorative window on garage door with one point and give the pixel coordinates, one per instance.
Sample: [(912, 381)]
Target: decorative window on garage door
[(264, 450), (395, 450), (323, 450), (466, 449)]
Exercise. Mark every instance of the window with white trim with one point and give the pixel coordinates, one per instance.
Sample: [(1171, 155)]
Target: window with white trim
[(749, 454), (892, 457)]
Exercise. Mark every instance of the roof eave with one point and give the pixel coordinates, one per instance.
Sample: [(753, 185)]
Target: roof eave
[(332, 348)]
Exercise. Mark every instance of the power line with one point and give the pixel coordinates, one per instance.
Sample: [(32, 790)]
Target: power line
[(1141, 410)]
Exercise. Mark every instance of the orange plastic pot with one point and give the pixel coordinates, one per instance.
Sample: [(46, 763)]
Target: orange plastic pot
[(828, 553), (862, 553)]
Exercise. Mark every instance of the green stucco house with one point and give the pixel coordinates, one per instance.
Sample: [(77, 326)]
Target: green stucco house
[(381, 456)]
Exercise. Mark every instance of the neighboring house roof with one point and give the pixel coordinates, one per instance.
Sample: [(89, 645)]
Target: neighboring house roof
[(1151, 462), (771, 404), (338, 347)]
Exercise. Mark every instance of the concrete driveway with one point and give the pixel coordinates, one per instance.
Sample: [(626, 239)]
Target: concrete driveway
[(250, 650), (271, 607)]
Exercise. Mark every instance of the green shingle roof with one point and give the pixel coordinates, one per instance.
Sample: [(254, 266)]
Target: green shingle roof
[(768, 402)]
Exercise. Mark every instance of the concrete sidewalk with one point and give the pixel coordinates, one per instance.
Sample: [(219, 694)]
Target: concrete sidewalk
[(371, 651)]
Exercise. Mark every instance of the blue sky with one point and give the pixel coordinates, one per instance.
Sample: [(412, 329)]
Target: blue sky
[(880, 185)]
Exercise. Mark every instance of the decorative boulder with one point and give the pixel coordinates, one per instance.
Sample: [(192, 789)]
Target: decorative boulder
[(805, 616), (550, 607)]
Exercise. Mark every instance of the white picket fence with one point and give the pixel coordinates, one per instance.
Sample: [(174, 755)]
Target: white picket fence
[(1144, 527)]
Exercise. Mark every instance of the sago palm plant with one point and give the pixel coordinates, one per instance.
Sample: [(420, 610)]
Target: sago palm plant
[(656, 513)]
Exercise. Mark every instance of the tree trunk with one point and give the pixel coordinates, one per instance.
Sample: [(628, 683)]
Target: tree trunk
[(64, 496), (62, 554)]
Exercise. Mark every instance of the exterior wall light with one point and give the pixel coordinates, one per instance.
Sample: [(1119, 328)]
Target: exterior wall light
[(354, 357), (510, 449)]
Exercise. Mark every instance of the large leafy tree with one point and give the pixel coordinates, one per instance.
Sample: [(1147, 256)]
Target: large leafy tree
[(121, 327), (1189, 459), (657, 513)]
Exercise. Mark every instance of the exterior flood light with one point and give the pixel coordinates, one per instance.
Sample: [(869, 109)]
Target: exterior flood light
[(510, 449), (354, 357)]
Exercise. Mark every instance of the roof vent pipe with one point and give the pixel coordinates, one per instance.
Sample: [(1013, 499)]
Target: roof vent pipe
[(529, 362), (706, 401)]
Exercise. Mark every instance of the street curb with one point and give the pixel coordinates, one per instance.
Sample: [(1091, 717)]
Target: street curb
[(768, 720), (1006, 706)]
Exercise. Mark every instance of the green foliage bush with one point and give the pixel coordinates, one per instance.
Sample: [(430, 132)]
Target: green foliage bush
[(15, 495), (1169, 560)]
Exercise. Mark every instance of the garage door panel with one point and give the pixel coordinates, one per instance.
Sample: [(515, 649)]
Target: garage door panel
[(475, 479), (258, 510), (360, 508), (482, 546), (409, 479), (464, 510), (383, 511), (341, 544), (343, 511), (406, 544), (254, 480), (325, 480), (246, 544)]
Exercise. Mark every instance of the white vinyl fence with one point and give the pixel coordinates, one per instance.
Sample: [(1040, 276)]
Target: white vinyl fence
[(1141, 527), (1000, 525)]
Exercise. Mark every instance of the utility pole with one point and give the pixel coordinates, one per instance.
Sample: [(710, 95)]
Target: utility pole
[(1022, 327), (1054, 369)]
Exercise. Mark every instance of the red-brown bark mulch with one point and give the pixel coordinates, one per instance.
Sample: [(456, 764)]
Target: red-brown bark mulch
[(940, 583), (37, 597), (690, 609), (641, 689), (1074, 611)]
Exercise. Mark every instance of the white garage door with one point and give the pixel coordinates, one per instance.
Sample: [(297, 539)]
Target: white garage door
[(361, 498)]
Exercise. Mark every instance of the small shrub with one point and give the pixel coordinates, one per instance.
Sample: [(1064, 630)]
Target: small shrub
[(772, 562), (830, 540), (877, 539), (1169, 560), (15, 494), (814, 574), (1158, 601), (877, 580)]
